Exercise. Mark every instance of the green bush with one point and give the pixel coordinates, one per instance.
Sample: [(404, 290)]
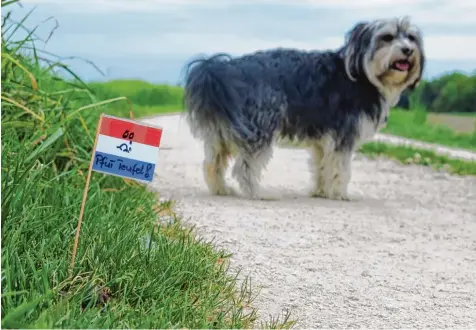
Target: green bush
[(419, 115), (453, 92)]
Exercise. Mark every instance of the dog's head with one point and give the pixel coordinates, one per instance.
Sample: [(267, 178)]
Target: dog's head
[(388, 52)]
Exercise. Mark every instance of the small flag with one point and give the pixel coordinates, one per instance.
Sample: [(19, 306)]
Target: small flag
[(126, 148)]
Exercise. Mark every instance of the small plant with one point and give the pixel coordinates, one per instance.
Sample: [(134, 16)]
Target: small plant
[(419, 115)]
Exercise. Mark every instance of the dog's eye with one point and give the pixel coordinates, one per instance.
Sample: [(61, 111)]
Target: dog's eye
[(387, 37), (410, 37)]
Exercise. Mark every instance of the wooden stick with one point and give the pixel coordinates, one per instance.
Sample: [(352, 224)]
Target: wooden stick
[(83, 204)]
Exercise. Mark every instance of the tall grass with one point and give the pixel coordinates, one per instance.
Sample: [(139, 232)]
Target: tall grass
[(413, 124), (147, 99), (137, 267)]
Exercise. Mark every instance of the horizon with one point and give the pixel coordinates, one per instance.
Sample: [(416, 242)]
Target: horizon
[(152, 40)]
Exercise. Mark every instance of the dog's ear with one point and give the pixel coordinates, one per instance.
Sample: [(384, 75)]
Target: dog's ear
[(353, 34), (411, 87), (357, 44), (420, 74), (422, 67)]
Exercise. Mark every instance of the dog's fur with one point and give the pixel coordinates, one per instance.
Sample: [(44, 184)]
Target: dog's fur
[(333, 100)]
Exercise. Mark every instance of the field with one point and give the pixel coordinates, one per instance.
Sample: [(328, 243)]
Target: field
[(146, 98), (458, 122), (449, 130)]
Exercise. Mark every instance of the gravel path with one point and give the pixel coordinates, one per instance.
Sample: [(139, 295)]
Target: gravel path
[(401, 255)]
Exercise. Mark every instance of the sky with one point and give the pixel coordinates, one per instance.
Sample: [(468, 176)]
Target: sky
[(153, 39)]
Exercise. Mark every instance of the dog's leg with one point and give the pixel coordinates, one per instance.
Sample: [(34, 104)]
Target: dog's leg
[(315, 164), (247, 171), (214, 166), (324, 166), (334, 170), (342, 175)]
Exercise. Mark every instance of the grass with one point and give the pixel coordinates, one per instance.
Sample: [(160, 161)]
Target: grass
[(137, 266), (146, 99), (410, 155), (458, 114), (415, 125)]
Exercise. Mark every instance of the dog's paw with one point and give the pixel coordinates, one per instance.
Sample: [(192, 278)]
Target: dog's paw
[(268, 197), (317, 194), (225, 191), (262, 196), (331, 195), (339, 197)]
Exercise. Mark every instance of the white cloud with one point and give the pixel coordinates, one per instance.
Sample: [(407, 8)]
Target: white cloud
[(453, 14), (437, 47), (449, 13), (231, 43), (188, 44), (355, 4), (450, 47), (124, 5)]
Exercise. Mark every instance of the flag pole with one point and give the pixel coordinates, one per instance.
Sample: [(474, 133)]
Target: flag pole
[(85, 195)]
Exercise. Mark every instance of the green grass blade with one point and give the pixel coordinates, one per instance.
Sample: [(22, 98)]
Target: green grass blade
[(13, 318), (52, 139)]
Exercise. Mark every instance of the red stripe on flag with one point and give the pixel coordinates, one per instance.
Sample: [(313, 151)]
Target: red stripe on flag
[(127, 130)]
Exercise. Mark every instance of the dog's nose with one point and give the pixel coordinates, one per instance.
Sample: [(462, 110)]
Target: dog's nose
[(407, 51)]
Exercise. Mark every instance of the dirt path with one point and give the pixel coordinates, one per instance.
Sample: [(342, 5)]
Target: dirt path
[(402, 255)]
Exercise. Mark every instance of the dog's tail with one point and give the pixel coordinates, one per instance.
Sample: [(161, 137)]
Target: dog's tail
[(212, 97)]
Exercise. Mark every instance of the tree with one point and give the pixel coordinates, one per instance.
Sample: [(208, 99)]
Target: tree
[(454, 92)]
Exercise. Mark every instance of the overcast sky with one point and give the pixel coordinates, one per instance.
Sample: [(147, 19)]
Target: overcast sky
[(153, 39)]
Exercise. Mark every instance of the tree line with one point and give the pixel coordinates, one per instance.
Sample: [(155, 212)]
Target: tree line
[(454, 92)]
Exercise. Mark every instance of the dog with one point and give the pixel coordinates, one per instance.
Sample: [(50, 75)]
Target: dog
[(333, 100)]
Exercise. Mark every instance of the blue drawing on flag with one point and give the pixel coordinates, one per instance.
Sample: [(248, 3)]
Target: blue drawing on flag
[(124, 147)]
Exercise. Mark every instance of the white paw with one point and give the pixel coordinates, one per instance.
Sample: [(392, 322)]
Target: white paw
[(331, 195), (263, 196), (266, 196), (224, 191)]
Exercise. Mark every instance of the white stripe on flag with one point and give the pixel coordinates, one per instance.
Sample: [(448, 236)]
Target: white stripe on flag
[(138, 151)]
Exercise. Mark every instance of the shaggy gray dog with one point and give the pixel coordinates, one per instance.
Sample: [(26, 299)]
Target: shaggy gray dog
[(332, 100)]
